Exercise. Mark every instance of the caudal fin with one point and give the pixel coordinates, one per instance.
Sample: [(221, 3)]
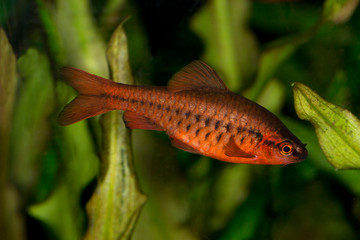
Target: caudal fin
[(91, 100)]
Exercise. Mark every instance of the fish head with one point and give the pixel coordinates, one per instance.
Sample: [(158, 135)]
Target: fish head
[(283, 150)]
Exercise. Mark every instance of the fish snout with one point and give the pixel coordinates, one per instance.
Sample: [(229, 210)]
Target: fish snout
[(301, 152)]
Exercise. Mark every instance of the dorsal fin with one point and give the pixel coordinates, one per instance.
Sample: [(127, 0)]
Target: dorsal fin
[(195, 75)]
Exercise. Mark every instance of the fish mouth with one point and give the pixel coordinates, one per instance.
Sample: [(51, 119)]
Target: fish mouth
[(300, 153)]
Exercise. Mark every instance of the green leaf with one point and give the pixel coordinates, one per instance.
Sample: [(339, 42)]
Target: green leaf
[(270, 60), (78, 164), (73, 36), (8, 83), (339, 11), (337, 129), (116, 204), (248, 216), (273, 96), (349, 178), (112, 13), (11, 226), (74, 40), (83, 44), (31, 135), (230, 47), (62, 212), (236, 178), (58, 214)]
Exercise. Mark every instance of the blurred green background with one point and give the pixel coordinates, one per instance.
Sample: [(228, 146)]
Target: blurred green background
[(49, 173)]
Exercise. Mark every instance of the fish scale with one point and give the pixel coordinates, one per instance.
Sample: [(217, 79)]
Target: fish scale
[(196, 110), (186, 117), (156, 113)]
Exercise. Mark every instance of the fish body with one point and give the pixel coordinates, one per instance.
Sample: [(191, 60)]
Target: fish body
[(196, 110)]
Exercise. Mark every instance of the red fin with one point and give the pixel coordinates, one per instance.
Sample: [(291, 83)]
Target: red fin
[(136, 121), (90, 102), (232, 150), (81, 108), (195, 75), (183, 146), (84, 82)]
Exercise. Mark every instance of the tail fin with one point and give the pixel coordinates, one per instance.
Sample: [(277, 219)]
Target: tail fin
[(91, 100)]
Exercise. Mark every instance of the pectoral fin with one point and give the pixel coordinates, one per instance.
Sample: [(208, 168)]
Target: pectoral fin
[(233, 150)]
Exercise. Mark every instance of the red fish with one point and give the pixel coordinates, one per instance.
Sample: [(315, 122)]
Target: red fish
[(196, 110)]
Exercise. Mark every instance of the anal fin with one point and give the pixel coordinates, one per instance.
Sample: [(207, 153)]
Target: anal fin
[(183, 146), (136, 121), (233, 150)]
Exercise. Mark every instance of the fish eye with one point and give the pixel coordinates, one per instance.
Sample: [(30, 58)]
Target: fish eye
[(286, 148)]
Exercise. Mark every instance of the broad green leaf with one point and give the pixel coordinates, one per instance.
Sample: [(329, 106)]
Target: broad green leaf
[(62, 212), (83, 45), (229, 46), (337, 129), (275, 55), (248, 216), (116, 204), (270, 60), (73, 36), (73, 40), (339, 11), (31, 135), (309, 205), (273, 96), (349, 178), (11, 226), (236, 178), (111, 13), (8, 83), (59, 214), (55, 44)]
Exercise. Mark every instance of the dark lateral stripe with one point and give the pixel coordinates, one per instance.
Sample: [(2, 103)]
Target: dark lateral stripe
[(104, 95), (269, 143), (142, 102), (207, 122), (207, 135), (197, 117), (259, 136), (218, 137), (217, 125), (119, 98), (256, 133), (179, 122), (252, 132), (197, 132)]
